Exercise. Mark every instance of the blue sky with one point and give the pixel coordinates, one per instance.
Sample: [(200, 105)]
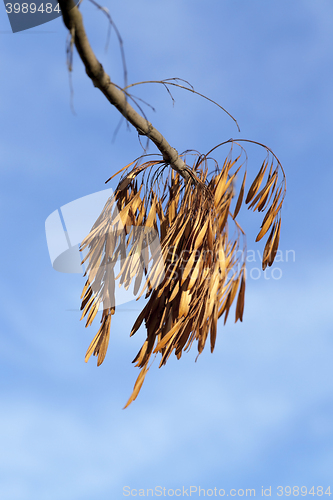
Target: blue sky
[(258, 412)]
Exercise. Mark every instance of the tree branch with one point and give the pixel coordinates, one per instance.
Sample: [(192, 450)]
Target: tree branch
[(73, 21)]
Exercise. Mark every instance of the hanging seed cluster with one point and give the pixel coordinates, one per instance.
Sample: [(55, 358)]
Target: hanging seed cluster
[(199, 272)]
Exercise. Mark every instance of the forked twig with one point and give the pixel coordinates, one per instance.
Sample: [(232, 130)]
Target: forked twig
[(190, 89)]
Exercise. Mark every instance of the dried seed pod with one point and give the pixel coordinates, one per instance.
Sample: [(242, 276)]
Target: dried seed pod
[(196, 276)]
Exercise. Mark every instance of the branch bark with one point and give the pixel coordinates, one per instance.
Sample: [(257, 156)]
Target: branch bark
[(74, 23)]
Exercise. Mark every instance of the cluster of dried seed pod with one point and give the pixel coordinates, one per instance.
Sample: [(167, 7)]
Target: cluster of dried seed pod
[(195, 273)]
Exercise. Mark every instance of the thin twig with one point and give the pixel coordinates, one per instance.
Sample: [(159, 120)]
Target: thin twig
[(73, 19), (120, 40), (191, 89)]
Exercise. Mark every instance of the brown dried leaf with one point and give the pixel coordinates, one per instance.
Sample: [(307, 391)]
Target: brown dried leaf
[(169, 335), (195, 276), (143, 314), (174, 292), (93, 311), (268, 248), (138, 278), (86, 298), (188, 266), (275, 244), (100, 342), (121, 170), (200, 237), (220, 185), (210, 236), (88, 305), (265, 202), (240, 197), (263, 194), (151, 218), (256, 183), (223, 215), (184, 304), (213, 328), (240, 300), (137, 386), (141, 354), (265, 227)]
